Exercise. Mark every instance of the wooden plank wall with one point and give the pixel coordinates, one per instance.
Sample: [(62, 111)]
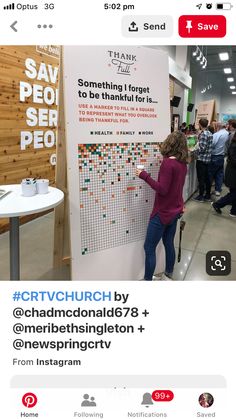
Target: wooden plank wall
[(62, 227), (16, 164)]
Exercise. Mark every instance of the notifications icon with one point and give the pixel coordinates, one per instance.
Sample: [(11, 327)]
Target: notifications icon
[(29, 400)]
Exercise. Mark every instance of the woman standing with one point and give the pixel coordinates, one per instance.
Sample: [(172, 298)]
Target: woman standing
[(230, 182), (168, 203)]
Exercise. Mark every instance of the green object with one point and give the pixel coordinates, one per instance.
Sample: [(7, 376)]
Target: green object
[(191, 141)]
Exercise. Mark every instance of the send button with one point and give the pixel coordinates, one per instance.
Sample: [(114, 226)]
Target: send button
[(147, 26), (157, 27)]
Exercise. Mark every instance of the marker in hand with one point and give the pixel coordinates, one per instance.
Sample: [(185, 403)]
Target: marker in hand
[(139, 169)]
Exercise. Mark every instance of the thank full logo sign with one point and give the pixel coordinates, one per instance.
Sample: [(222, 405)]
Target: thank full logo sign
[(123, 62), (40, 90)]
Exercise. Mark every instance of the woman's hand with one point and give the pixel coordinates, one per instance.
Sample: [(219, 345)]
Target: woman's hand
[(137, 172)]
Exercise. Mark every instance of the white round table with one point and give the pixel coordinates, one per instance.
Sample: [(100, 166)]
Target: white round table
[(14, 205)]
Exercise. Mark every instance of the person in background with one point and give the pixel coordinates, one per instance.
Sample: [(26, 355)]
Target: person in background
[(204, 151), (193, 128), (214, 124), (183, 127), (211, 129), (231, 127), (216, 168), (168, 205), (229, 124), (230, 182)]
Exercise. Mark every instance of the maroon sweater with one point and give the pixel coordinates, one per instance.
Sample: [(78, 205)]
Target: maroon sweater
[(169, 189)]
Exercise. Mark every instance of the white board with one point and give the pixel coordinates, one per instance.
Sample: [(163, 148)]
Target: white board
[(117, 108)]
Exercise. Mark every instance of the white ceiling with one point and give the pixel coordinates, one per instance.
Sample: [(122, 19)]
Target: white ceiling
[(214, 70)]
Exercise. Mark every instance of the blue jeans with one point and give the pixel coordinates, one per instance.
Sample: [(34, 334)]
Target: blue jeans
[(216, 171), (155, 232)]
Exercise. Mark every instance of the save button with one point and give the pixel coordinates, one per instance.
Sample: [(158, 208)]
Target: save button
[(195, 26)]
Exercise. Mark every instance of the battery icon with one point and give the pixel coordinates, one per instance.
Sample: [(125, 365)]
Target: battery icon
[(224, 6)]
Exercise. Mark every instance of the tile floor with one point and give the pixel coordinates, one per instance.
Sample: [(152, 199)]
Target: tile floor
[(205, 230)]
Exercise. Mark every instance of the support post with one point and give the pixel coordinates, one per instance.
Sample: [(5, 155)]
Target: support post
[(14, 249)]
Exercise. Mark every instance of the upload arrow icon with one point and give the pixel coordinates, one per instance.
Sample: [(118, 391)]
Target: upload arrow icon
[(133, 27)]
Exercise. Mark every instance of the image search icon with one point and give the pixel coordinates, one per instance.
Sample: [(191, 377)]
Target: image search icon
[(218, 263)]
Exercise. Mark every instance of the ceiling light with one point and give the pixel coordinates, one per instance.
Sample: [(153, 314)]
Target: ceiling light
[(205, 64), (233, 93), (199, 56), (224, 56), (232, 87), (227, 70), (230, 79), (195, 52)]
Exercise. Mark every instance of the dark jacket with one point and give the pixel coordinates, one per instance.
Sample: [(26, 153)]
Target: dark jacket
[(230, 171)]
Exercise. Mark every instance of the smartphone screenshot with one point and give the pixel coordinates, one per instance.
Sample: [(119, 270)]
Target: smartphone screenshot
[(117, 208)]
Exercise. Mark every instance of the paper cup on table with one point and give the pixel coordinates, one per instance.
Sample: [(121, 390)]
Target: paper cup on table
[(140, 167), (28, 187), (42, 186)]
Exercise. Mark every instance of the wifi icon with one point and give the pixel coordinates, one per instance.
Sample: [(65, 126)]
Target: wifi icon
[(10, 6)]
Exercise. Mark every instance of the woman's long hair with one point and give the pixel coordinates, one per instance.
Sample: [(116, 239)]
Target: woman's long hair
[(175, 145)]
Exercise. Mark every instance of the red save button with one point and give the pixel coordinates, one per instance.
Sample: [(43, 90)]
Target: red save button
[(195, 26)]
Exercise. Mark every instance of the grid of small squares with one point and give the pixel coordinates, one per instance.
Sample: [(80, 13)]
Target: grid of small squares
[(115, 205)]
